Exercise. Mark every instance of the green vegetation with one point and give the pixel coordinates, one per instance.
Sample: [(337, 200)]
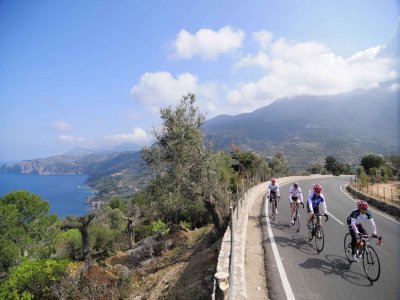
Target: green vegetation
[(26, 228), (33, 279)]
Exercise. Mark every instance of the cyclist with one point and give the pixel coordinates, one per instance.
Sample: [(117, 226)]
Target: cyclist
[(294, 194), (273, 191), (316, 198), (358, 216)]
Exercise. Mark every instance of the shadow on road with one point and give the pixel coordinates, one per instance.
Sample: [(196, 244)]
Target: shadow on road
[(334, 265)]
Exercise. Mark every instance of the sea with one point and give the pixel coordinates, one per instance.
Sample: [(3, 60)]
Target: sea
[(67, 194)]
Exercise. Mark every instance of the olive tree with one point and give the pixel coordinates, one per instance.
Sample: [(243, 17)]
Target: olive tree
[(184, 169)]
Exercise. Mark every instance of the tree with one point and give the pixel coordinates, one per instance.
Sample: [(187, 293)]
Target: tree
[(331, 164), (26, 228), (248, 164), (315, 168), (179, 161), (278, 165), (371, 161), (82, 224)]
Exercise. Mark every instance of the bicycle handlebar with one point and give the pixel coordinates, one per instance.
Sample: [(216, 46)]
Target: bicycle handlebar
[(370, 236)]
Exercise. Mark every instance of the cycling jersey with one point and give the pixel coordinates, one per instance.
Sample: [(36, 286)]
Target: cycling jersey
[(294, 194), (273, 189), (314, 200), (356, 218)]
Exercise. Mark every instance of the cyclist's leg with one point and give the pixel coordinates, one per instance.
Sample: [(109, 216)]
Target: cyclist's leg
[(309, 215), (316, 210), (353, 240), (293, 204)]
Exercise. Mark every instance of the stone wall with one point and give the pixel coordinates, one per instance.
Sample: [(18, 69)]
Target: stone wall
[(390, 209)]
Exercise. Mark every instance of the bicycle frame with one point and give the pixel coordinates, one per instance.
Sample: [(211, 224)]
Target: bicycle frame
[(370, 259), (317, 232), (297, 214)]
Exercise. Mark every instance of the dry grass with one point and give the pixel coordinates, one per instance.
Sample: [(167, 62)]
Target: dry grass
[(185, 271)]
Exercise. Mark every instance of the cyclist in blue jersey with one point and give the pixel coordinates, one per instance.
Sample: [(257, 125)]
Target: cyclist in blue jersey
[(316, 198)]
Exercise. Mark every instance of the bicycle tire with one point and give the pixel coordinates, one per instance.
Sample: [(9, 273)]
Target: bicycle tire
[(273, 209), (347, 246), (298, 220), (319, 242), (371, 263)]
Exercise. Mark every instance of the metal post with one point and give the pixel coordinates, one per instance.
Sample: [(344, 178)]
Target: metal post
[(384, 194), (391, 191), (231, 255)]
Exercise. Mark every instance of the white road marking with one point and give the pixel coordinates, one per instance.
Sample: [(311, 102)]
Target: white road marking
[(375, 211), (336, 219), (282, 273)]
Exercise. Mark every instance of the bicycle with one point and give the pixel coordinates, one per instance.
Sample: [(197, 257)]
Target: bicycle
[(272, 205), (370, 259), (297, 214), (315, 231)]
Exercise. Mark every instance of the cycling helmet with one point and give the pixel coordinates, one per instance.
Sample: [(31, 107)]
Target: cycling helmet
[(317, 188), (295, 185), (273, 180), (362, 204)]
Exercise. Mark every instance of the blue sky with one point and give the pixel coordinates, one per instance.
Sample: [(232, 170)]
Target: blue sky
[(94, 74)]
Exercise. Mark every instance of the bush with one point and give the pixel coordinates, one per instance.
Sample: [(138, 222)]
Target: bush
[(33, 279), (142, 231), (101, 238), (69, 244), (158, 227)]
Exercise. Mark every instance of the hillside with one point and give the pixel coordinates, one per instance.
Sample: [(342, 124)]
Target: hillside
[(308, 128), (116, 173)]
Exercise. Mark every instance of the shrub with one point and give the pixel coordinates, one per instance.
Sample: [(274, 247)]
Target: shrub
[(33, 279), (101, 238), (142, 231), (69, 244), (158, 227)]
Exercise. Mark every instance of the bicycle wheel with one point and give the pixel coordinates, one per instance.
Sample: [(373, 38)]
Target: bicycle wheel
[(371, 264), (319, 238), (310, 231), (273, 209), (347, 246), (297, 220)]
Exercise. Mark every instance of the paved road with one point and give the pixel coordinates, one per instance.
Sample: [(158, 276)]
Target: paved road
[(328, 275)]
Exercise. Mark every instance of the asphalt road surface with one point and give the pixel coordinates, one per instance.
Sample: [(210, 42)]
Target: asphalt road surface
[(296, 270)]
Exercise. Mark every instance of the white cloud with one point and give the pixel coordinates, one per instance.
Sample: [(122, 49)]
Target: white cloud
[(395, 87), (62, 126), (161, 89), (264, 38), (206, 43), (73, 139), (138, 136), (295, 68)]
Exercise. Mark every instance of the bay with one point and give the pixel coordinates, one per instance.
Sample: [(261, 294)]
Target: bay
[(67, 194)]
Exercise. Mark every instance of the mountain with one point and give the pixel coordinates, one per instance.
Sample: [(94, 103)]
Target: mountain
[(78, 152), (308, 128)]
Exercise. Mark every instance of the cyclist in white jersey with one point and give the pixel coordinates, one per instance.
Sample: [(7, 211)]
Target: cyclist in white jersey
[(294, 195), (273, 190)]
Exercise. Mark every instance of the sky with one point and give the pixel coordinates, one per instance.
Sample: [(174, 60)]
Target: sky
[(94, 74)]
